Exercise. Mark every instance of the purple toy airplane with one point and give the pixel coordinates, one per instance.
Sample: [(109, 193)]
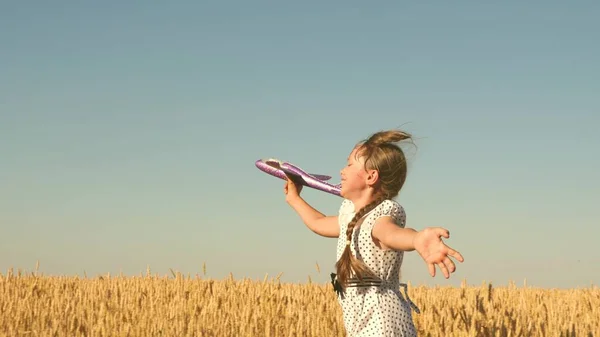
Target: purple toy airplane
[(278, 168)]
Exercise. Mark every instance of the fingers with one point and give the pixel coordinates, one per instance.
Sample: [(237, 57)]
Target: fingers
[(431, 268), (446, 265), (442, 232), (458, 256), (291, 186), (450, 265), (451, 252), (443, 259), (444, 269)]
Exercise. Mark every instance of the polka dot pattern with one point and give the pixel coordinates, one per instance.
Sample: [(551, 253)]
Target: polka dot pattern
[(379, 310)]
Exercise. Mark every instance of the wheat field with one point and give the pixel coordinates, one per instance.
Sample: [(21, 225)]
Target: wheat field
[(176, 305)]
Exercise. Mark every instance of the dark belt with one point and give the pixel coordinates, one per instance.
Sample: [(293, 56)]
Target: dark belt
[(367, 282)]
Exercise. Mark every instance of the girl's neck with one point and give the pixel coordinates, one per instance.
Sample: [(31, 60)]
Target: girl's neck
[(363, 200)]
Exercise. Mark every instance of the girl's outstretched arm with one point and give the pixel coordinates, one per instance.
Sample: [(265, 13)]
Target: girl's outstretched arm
[(316, 221), (393, 236), (427, 243)]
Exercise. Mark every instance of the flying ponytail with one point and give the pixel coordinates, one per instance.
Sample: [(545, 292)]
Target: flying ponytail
[(387, 137)]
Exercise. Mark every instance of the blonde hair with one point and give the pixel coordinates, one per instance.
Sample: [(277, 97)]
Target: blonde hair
[(382, 154)]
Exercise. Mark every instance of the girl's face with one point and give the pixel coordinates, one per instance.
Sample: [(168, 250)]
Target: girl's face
[(353, 177)]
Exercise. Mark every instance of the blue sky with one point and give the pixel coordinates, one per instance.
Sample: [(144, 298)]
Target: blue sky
[(129, 131)]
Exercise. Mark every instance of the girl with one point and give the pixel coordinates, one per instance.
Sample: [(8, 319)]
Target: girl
[(372, 237)]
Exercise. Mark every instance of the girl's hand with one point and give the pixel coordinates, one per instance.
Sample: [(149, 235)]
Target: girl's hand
[(429, 245), (291, 189)]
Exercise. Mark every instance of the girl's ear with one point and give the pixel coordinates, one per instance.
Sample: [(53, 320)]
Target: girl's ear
[(372, 177)]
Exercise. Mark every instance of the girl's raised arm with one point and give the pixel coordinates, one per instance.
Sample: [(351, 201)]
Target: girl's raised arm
[(316, 221)]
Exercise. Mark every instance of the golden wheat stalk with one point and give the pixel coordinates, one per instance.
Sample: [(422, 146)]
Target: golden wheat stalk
[(34, 305)]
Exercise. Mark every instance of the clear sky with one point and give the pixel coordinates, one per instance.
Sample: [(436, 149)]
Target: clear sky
[(129, 131)]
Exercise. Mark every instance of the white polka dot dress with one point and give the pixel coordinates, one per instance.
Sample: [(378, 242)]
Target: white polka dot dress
[(380, 310)]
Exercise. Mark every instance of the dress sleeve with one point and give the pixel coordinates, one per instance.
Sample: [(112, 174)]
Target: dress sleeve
[(392, 209), (346, 207)]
